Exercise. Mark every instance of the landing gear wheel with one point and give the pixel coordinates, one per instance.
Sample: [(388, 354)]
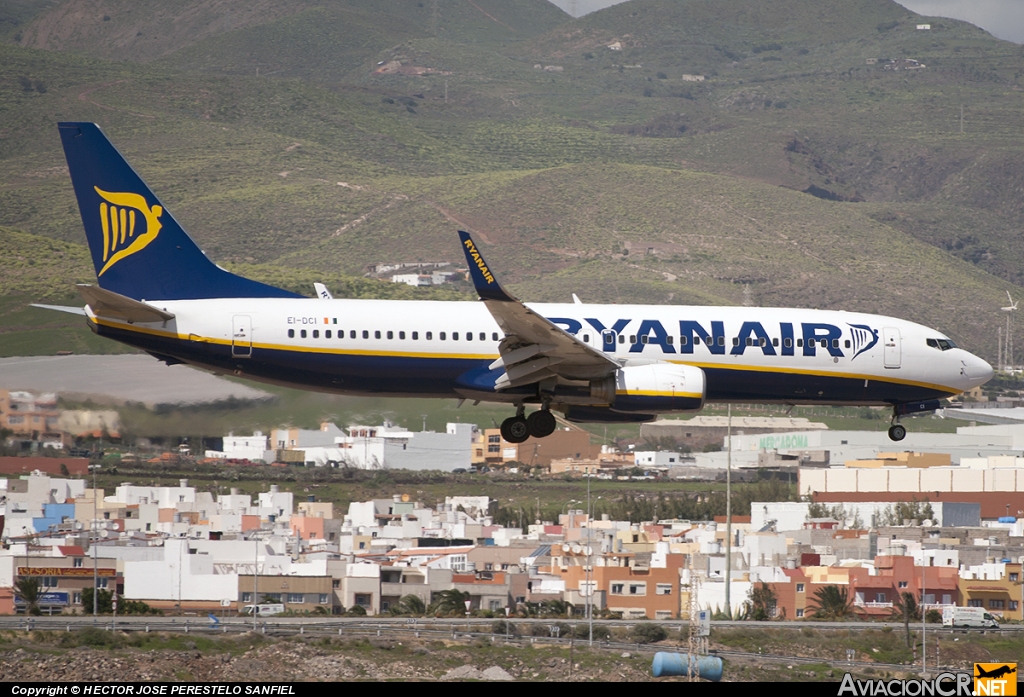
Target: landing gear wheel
[(897, 432), (541, 423), (514, 429)]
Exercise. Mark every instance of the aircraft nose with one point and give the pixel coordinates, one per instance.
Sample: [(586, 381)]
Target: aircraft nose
[(976, 370)]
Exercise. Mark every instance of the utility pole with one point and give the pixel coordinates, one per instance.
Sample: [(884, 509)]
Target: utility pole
[(728, 516), (590, 562), (92, 541)]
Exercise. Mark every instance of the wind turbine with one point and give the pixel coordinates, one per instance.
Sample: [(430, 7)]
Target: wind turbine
[(1009, 310)]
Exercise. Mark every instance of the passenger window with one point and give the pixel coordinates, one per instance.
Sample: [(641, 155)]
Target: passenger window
[(735, 341), (696, 340), (302, 333), (788, 343), (632, 339), (682, 341), (645, 339), (455, 336), (721, 340), (441, 336), (622, 338), (415, 336), (586, 338), (469, 336), (824, 343), (316, 333), (847, 343), (494, 336), (429, 336), (835, 343), (327, 333), (376, 334), (401, 335), (366, 334), (775, 342), (669, 340), (291, 333), (799, 343), (483, 336), (391, 334), (762, 341), (352, 334), (750, 341)]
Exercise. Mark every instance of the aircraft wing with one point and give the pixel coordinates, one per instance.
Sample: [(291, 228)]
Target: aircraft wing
[(533, 348)]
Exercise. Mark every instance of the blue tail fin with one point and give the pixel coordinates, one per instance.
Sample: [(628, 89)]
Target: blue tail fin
[(137, 246)]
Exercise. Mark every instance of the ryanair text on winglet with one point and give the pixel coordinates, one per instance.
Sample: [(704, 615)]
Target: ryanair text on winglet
[(944, 685), (479, 261)]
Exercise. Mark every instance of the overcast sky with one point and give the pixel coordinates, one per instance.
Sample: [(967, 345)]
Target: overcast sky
[(1002, 18)]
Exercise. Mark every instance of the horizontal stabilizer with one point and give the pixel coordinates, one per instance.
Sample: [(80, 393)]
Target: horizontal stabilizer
[(60, 308), (107, 303)]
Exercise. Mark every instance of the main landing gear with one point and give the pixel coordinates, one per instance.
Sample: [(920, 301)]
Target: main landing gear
[(516, 429), (897, 432)]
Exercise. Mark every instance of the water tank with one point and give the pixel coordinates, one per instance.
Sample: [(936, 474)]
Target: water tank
[(666, 664), (1007, 519)]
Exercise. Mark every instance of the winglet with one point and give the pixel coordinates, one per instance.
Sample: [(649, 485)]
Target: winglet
[(486, 284)]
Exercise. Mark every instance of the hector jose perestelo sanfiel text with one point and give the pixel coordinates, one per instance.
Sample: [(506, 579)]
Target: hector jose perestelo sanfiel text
[(150, 689)]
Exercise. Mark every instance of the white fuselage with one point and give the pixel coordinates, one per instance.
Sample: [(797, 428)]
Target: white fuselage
[(422, 347)]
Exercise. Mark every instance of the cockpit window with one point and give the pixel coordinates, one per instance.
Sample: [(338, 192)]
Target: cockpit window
[(941, 344)]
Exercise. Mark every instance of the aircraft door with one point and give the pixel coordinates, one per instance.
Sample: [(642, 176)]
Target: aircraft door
[(241, 336), (591, 337), (893, 350)]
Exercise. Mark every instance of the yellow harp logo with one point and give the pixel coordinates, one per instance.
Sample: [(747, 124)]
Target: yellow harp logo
[(117, 218)]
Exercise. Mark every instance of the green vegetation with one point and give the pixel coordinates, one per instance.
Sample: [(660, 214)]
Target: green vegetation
[(831, 603)]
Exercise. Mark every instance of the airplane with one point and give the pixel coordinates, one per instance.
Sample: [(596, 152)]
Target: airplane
[(995, 672), (157, 291)]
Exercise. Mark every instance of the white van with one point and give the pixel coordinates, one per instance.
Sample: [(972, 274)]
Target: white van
[(968, 617), (265, 610)]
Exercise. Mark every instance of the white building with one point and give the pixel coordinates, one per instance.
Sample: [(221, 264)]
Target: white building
[(393, 447), (178, 576), (656, 458), (252, 448), (863, 445)]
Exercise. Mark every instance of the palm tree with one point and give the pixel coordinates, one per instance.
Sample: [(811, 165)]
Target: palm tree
[(761, 602), (450, 602), (905, 607), (555, 608), (831, 603), (412, 605), (27, 588)]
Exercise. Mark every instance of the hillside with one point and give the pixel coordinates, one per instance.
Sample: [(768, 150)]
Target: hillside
[(815, 165)]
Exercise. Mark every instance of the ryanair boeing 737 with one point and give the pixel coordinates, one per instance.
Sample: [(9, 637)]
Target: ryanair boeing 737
[(157, 291)]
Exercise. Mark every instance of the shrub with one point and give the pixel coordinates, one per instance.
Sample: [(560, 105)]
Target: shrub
[(648, 633)]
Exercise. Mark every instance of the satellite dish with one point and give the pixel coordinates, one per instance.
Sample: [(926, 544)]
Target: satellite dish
[(78, 526), (576, 549), (588, 550)]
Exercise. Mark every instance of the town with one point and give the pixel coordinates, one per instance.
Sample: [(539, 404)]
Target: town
[(943, 522)]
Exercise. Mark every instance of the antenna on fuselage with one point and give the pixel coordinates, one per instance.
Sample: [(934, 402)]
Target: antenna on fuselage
[(1008, 348)]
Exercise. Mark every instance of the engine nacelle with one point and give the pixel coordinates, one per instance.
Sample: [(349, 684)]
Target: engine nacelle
[(659, 388)]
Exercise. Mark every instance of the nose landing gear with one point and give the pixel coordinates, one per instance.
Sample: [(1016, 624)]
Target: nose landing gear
[(516, 429)]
